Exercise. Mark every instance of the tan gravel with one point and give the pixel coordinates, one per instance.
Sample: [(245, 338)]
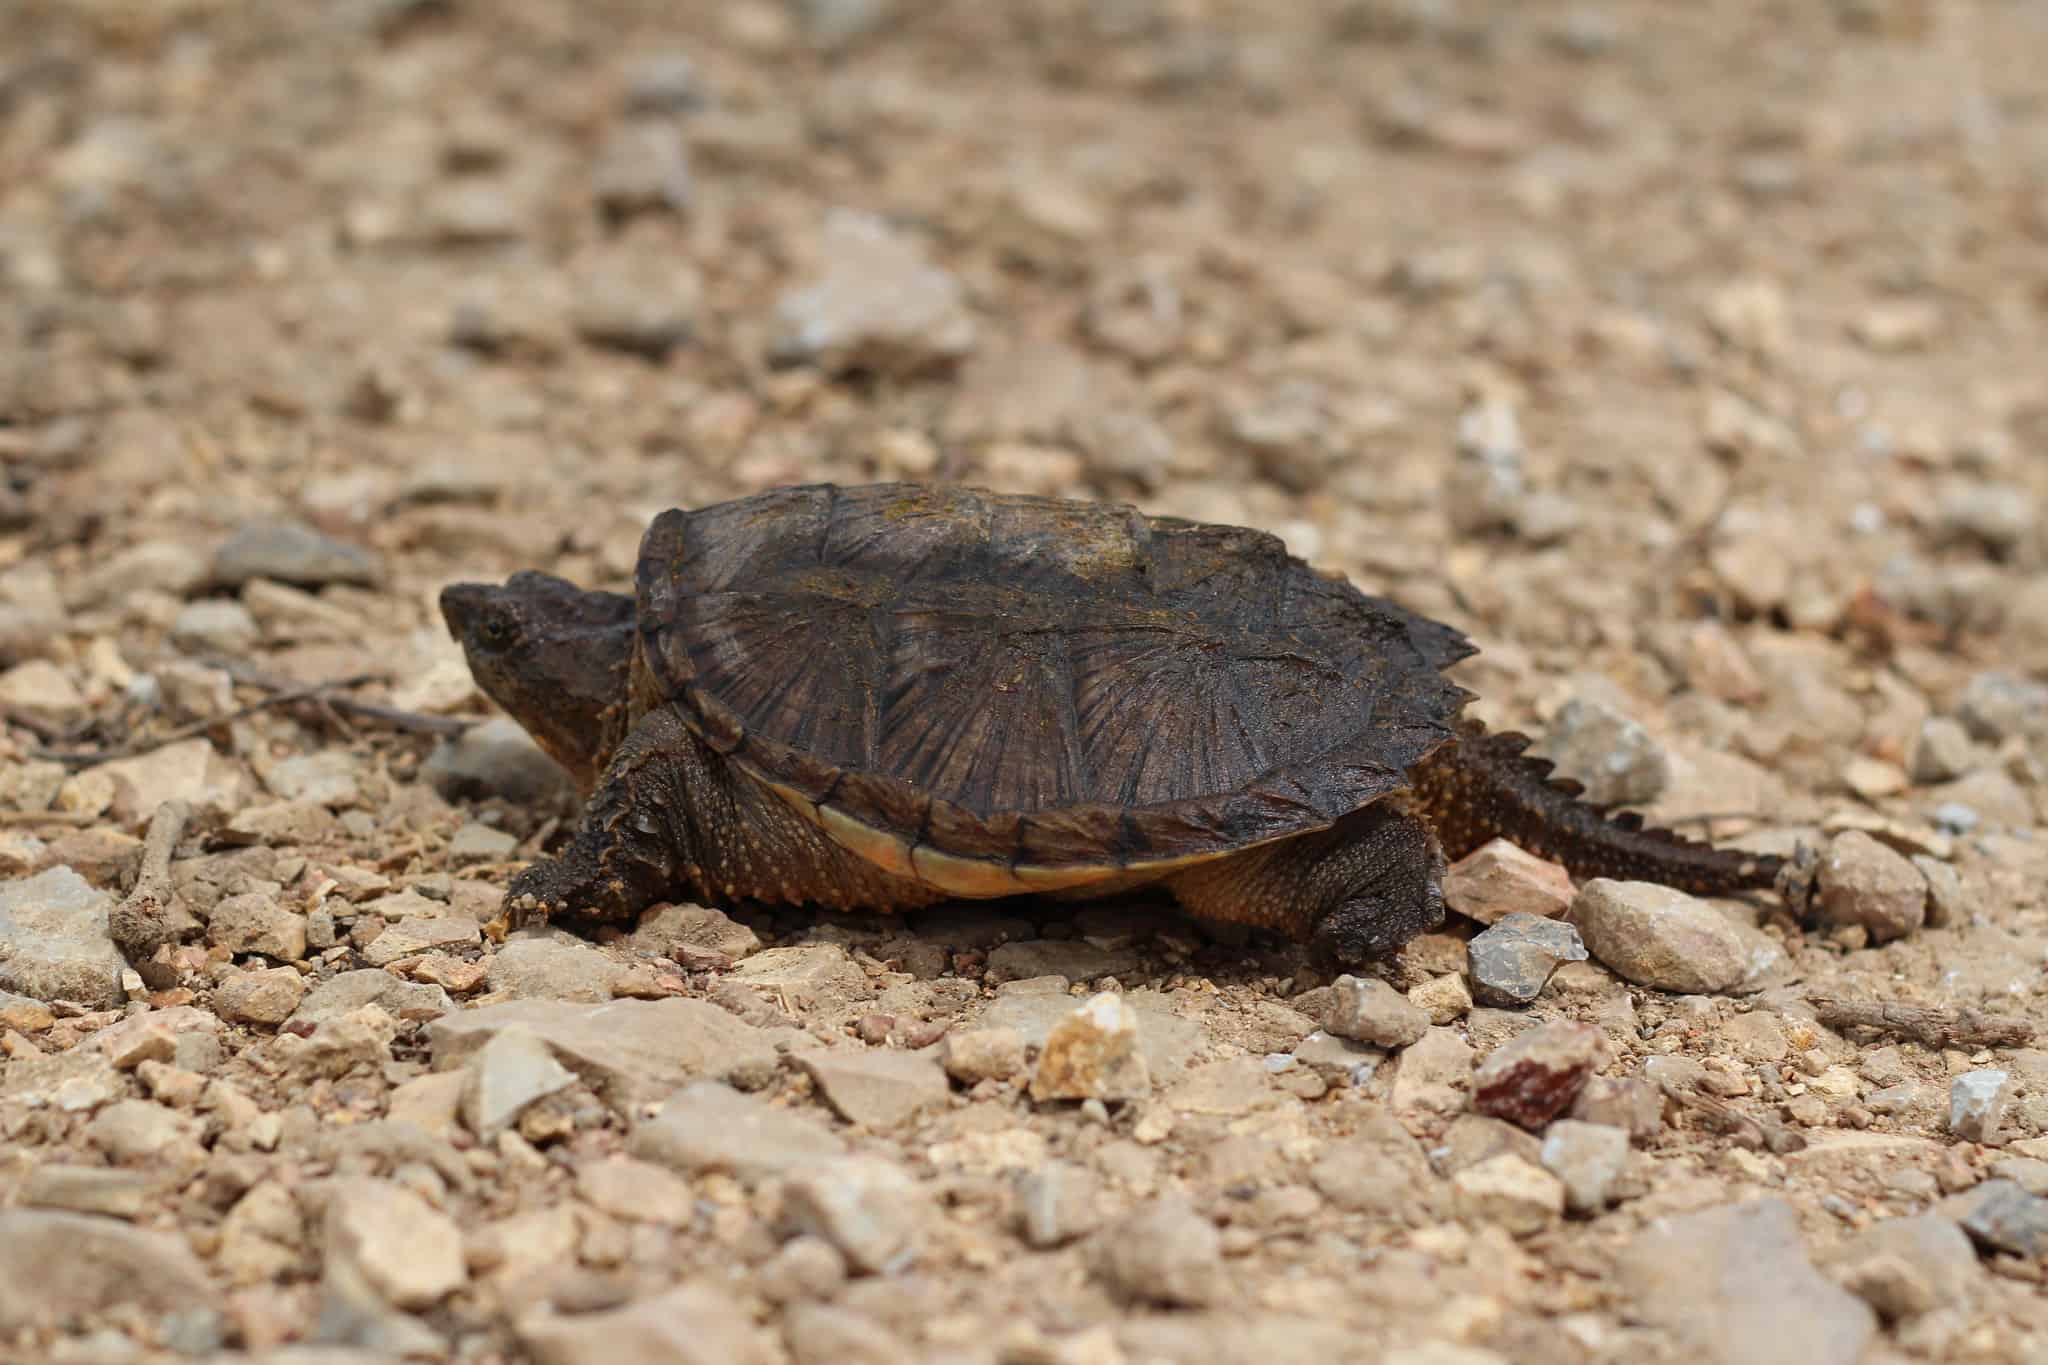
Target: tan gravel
[(1685, 356)]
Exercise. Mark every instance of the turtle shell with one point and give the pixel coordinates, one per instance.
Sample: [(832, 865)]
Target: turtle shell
[(997, 694)]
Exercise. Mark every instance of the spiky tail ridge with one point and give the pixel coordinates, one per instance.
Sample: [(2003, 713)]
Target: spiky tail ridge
[(1484, 786)]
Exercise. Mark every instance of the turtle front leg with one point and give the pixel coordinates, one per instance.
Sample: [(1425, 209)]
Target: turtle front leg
[(635, 845), (1354, 892)]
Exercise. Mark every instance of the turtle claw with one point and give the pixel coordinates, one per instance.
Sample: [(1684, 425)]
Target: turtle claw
[(521, 909)]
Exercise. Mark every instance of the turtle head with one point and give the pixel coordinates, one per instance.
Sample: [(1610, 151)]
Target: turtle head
[(555, 656)]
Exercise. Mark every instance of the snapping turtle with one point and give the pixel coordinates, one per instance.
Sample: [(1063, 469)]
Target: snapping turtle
[(883, 697)]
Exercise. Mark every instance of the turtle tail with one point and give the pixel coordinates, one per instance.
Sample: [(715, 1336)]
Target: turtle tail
[(1485, 786)]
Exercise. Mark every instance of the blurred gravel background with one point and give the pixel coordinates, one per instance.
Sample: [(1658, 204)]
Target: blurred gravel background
[(1693, 358)]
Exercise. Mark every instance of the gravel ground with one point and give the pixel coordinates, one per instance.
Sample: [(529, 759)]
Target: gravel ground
[(1688, 357)]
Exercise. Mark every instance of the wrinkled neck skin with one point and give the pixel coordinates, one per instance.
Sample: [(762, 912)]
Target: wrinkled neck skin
[(555, 657)]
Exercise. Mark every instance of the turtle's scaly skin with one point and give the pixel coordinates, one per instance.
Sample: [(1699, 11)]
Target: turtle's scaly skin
[(882, 697)]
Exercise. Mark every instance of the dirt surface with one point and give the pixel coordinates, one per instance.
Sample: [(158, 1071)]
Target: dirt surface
[(1688, 357)]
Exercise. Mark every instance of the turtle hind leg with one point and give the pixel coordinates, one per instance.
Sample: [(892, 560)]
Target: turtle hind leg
[(1354, 892), (634, 845)]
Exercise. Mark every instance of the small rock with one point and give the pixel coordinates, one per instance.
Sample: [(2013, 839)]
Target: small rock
[(472, 211), (636, 1191), (827, 1334), (283, 824), (1499, 878), (692, 1324), (479, 843), (1433, 1073), (877, 1089), (1371, 1011), (1289, 432), (879, 306), (2030, 1173), (1977, 1101), (143, 1132), (667, 928), (1339, 1061), (348, 992), (218, 625), (1751, 313), (982, 1054), (54, 940), (1614, 756), (1588, 1158), (295, 614), (1163, 1252), (507, 1074), (407, 1250), (1507, 1191), (1756, 1037), (819, 977), (40, 690), (832, 25), (1536, 1077), (101, 1190), (631, 1052), (338, 1046), (2001, 1216), (1166, 1040), (2001, 517), (418, 934), (496, 758), (1662, 938), (29, 628), (806, 1268), (1865, 883), (153, 1036), (431, 1102), (267, 997), (255, 922), (1898, 325), (30, 785), (1945, 903), (1717, 664), (1445, 999), (1093, 1053), (707, 1126), (289, 552), (88, 794), (189, 771), (664, 83), (1942, 751), (642, 166), (154, 566), (1487, 485), (1950, 817), (644, 305), (1055, 1203), (1511, 962), (552, 966), (1904, 1267), (870, 1209), (1995, 704), (60, 1268), (1632, 1103), (1871, 778), (1733, 1286)]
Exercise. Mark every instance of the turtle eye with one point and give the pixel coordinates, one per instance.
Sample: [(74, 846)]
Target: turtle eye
[(495, 631)]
